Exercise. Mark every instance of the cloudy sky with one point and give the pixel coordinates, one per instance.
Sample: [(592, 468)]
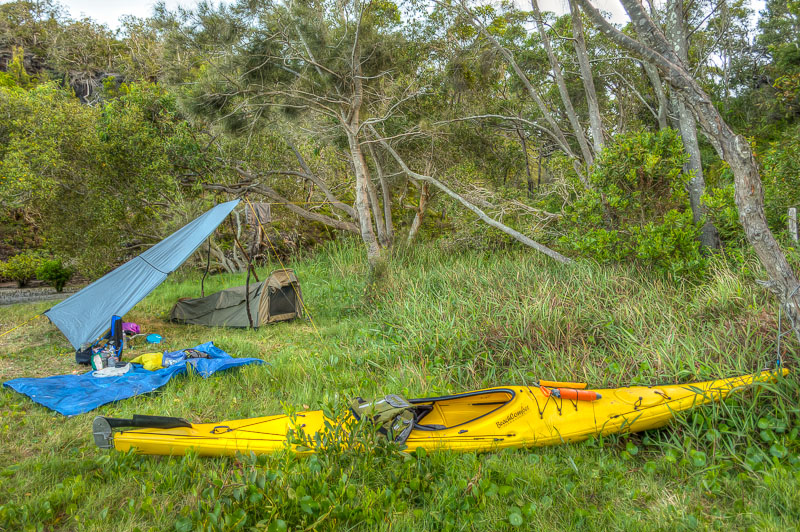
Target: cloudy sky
[(109, 11)]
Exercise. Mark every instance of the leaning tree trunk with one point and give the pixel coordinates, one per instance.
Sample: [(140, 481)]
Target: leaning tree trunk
[(482, 215), (732, 148), (676, 33)]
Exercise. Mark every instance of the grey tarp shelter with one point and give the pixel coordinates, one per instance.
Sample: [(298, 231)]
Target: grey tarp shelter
[(86, 315), (277, 299)]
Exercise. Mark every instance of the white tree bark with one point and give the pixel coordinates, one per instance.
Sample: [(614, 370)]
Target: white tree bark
[(661, 95), (595, 119), (420, 214), (386, 191), (577, 128), (676, 33)]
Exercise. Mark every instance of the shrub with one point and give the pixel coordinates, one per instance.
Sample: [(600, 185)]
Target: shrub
[(54, 273), (638, 208), (21, 268)]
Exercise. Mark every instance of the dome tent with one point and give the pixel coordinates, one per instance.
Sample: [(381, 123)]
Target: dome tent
[(277, 299)]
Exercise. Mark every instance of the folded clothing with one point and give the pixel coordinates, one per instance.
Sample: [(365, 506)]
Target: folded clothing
[(76, 394)]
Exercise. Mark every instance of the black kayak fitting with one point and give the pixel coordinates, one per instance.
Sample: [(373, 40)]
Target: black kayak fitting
[(102, 426)]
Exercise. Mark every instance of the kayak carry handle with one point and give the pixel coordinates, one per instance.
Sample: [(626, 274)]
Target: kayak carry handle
[(571, 394)]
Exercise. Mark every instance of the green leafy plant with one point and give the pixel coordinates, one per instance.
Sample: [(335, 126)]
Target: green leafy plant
[(21, 268), (54, 273), (638, 208)]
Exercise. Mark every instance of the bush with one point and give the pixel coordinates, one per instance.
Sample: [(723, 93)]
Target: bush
[(54, 273), (21, 268), (638, 208)]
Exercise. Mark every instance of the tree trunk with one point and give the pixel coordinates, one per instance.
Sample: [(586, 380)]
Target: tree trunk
[(595, 120), (377, 214), (362, 196), (386, 191), (577, 128), (420, 214), (676, 33), (661, 95), (732, 148)]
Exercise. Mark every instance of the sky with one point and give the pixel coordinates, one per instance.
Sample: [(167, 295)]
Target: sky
[(109, 11)]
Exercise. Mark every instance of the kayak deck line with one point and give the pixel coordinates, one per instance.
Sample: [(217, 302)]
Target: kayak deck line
[(478, 420)]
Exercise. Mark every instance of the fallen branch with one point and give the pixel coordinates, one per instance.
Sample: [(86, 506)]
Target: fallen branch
[(482, 215)]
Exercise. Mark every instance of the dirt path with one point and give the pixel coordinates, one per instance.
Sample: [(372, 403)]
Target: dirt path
[(10, 296)]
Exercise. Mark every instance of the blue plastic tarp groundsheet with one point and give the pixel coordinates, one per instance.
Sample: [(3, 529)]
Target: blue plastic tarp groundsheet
[(76, 394)]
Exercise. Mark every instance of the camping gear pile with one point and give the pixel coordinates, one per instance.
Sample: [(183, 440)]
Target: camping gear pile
[(277, 299), (83, 318), (482, 420), (76, 394)]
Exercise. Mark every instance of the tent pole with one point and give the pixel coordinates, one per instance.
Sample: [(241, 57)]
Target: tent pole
[(208, 265), (247, 294)]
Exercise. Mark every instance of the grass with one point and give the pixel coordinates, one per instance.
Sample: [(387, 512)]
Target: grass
[(439, 322)]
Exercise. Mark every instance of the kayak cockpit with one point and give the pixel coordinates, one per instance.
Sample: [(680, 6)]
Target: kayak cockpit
[(438, 413)]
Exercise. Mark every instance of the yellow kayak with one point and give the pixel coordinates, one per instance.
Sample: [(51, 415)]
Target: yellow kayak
[(494, 418)]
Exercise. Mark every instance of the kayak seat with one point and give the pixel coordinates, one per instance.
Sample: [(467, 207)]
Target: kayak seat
[(420, 412)]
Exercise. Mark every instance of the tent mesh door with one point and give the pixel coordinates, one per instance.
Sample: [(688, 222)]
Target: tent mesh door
[(283, 301)]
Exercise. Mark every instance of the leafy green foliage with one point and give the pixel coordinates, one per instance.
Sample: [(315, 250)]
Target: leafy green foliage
[(54, 273), (638, 207), (21, 268), (96, 177)]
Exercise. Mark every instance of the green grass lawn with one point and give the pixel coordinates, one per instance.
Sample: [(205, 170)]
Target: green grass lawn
[(436, 324)]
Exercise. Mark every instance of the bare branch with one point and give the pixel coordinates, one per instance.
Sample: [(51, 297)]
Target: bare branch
[(482, 215)]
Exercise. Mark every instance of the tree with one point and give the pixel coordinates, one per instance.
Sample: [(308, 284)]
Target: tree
[(677, 36), (97, 182), (734, 149), (334, 70)]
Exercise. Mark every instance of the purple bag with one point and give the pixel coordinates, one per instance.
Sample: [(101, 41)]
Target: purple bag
[(130, 328)]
